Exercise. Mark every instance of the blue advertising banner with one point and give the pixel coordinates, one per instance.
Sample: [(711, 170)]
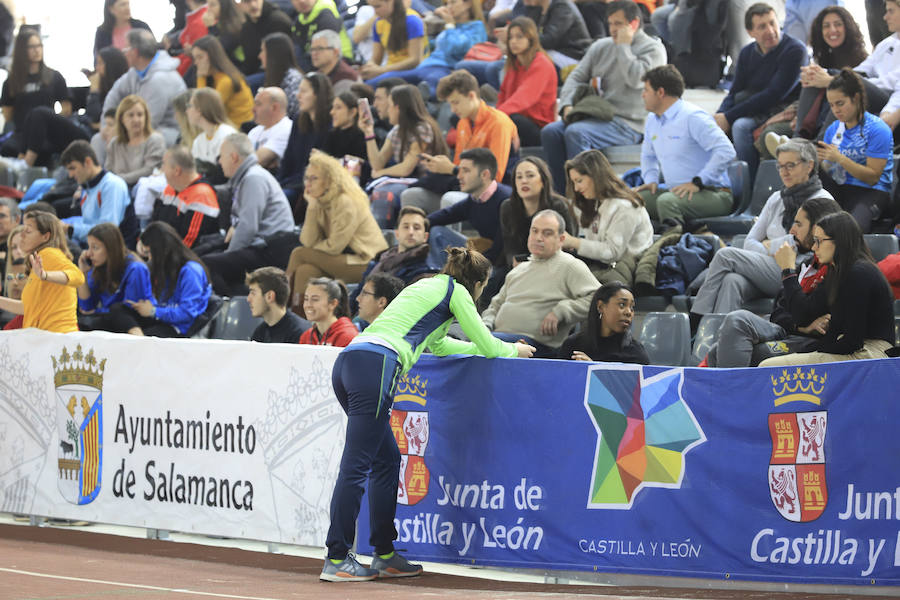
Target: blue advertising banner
[(758, 474)]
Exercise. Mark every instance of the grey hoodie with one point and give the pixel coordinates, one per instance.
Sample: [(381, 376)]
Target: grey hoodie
[(620, 69), (159, 86), (258, 206)]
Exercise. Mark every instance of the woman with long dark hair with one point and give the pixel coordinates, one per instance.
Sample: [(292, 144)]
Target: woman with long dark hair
[(365, 371), (856, 153), (215, 70), (224, 20), (114, 275), (346, 138), (860, 321), (315, 96), (532, 193), (399, 33), (276, 55), (49, 300), (117, 22), (528, 91), (615, 225), (180, 284), (109, 65), (606, 336), (32, 85)]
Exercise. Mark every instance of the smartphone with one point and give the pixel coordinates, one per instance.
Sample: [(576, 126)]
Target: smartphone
[(364, 109)]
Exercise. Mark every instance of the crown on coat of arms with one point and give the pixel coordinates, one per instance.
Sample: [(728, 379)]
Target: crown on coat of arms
[(78, 367), (800, 385), (412, 390)]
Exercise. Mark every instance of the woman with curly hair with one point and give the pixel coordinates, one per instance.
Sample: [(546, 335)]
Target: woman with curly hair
[(339, 235)]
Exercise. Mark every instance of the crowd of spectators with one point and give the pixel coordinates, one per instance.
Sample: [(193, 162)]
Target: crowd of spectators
[(262, 152)]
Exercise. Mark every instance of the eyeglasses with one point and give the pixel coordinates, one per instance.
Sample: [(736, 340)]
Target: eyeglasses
[(367, 292), (35, 46), (319, 49), (818, 241), (788, 166), (20, 277)]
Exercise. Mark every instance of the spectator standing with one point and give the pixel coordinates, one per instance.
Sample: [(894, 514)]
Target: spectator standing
[(613, 65), (269, 290)]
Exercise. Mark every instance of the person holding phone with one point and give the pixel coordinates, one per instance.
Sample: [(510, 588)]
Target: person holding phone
[(346, 139), (857, 152)]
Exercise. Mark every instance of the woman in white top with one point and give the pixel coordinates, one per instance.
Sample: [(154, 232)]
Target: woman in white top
[(737, 275), (206, 112), (615, 227)]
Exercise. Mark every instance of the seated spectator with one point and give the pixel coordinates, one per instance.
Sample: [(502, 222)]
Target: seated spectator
[(273, 129), (742, 274), (766, 80), (528, 91), (216, 71), (224, 20), (189, 203), (480, 126), (836, 43), (49, 300), (532, 193), (308, 131), (104, 195), (464, 27), (339, 235), (615, 226), (117, 22), (109, 65), (114, 276), (543, 297), (9, 220), (410, 260), (268, 295), (277, 59), (325, 54), (377, 291), (861, 323), (683, 147), (606, 337), (33, 86), (206, 113), (398, 33), (857, 152), (180, 286), (346, 139), (180, 43), (617, 63), (477, 202), (187, 133), (314, 16), (152, 76), (261, 18), (16, 277), (797, 318), (261, 232), (800, 17), (136, 150), (325, 304), (100, 141), (889, 265), (379, 102)]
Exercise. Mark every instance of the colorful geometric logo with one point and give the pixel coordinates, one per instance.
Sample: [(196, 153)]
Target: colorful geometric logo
[(645, 429), (78, 382), (411, 430)]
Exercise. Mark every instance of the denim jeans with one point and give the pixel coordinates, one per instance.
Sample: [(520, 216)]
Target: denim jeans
[(562, 142), (484, 71), (430, 74)]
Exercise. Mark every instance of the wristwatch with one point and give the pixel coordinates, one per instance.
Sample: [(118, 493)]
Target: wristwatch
[(699, 183)]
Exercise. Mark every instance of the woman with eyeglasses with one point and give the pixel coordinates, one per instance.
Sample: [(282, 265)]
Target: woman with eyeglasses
[(339, 235), (860, 319), (737, 275), (857, 152)]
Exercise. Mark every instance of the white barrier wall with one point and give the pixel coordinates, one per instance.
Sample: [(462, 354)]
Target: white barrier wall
[(214, 437)]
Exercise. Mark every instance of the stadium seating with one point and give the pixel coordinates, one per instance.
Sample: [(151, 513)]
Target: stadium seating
[(739, 221), (666, 338), (707, 334), (234, 321), (881, 244)]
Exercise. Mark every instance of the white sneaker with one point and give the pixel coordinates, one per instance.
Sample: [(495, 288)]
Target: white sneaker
[(773, 140)]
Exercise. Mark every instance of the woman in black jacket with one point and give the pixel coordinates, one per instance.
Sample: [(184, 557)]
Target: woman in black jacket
[(117, 22)]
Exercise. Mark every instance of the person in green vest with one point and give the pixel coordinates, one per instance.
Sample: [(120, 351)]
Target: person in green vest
[(313, 16)]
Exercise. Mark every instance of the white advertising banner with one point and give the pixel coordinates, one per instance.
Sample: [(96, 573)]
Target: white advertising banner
[(206, 436)]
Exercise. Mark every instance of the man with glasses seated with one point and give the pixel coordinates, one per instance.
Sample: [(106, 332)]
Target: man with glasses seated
[(326, 57)]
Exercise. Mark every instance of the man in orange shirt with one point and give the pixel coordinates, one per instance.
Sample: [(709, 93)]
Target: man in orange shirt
[(480, 126)]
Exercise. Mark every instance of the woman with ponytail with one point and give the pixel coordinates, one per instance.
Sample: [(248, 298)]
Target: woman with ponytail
[(326, 305), (363, 377)]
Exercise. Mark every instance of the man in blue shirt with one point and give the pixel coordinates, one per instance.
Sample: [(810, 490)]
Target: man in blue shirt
[(766, 79), (695, 152)]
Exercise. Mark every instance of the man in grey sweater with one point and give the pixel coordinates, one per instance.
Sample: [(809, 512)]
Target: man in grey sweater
[(612, 68), (262, 226), (544, 296), (154, 77)]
